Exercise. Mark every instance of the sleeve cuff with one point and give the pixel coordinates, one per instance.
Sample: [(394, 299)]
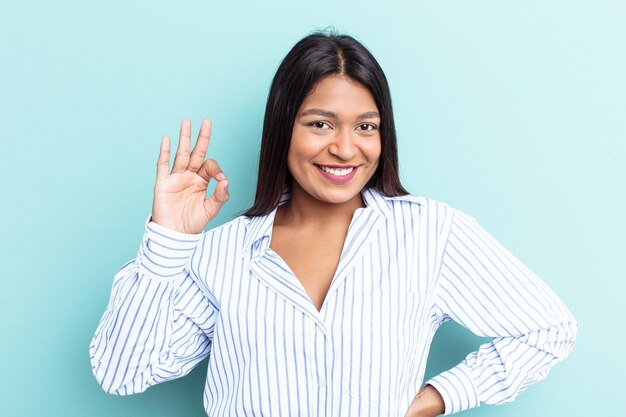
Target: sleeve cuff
[(164, 253), (456, 388)]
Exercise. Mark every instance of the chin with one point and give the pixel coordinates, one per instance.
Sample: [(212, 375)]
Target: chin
[(338, 197)]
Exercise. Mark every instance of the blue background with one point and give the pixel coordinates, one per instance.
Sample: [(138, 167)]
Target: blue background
[(513, 112)]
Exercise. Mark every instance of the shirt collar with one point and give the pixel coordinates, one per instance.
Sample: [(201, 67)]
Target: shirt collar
[(261, 226), (377, 202)]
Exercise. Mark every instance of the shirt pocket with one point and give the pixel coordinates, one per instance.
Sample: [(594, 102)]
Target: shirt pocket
[(382, 344)]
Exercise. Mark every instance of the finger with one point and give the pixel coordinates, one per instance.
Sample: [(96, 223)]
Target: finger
[(220, 194), (202, 144), (213, 204), (182, 152), (163, 163), (210, 169)]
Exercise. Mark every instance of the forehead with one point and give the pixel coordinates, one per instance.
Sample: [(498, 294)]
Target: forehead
[(341, 95)]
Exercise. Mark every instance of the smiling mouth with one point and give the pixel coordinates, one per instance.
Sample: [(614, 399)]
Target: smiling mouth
[(338, 172)]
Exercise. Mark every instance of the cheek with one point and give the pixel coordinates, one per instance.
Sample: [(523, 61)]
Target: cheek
[(303, 148), (293, 151), (373, 151), (291, 165), (296, 157)]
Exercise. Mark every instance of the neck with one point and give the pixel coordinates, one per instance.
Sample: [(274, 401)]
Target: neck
[(305, 210)]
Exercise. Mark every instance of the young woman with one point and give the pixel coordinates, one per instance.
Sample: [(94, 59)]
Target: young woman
[(323, 298)]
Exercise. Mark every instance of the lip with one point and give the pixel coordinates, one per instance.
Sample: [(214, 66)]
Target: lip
[(336, 179), (337, 166)]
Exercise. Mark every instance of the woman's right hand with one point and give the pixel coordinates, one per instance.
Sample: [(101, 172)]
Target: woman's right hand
[(180, 201)]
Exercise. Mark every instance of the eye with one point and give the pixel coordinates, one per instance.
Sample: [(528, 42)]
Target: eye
[(319, 125), (367, 127)]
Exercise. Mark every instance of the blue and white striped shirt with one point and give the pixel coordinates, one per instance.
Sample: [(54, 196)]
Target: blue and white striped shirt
[(408, 265)]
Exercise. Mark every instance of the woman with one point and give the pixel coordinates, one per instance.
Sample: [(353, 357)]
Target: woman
[(323, 298)]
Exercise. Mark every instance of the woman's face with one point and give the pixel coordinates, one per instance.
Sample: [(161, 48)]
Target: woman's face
[(335, 142)]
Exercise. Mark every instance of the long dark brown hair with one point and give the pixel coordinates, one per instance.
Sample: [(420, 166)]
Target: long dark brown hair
[(311, 59)]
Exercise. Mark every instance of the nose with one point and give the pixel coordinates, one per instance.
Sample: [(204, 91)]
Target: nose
[(343, 145)]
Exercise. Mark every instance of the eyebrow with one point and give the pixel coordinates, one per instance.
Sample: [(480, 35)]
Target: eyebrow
[(332, 115)]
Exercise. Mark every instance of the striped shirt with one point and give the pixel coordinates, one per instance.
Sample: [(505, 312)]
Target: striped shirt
[(408, 265)]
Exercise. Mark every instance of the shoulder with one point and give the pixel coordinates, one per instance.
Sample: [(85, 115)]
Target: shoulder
[(226, 231), (241, 232), (433, 214), (419, 205)]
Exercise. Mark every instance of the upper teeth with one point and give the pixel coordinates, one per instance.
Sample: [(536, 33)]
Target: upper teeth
[(338, 171)]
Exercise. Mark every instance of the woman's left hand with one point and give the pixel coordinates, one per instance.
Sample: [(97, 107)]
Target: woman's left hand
[(427, 403)]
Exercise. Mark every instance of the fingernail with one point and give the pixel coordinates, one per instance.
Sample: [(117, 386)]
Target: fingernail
[(221, 176), (226, 188)]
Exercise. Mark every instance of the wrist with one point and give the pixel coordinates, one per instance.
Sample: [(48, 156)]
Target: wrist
[(430, 402), (437, 400)]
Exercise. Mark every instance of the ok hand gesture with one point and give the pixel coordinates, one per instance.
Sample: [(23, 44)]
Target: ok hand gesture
[(180, 201)]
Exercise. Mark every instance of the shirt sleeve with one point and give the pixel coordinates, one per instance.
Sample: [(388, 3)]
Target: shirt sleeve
[(158, 323), (486, 289)]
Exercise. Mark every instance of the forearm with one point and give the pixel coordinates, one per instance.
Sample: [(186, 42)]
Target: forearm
[(482, 286), (503, 368), (135, 337), (133, 331)]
